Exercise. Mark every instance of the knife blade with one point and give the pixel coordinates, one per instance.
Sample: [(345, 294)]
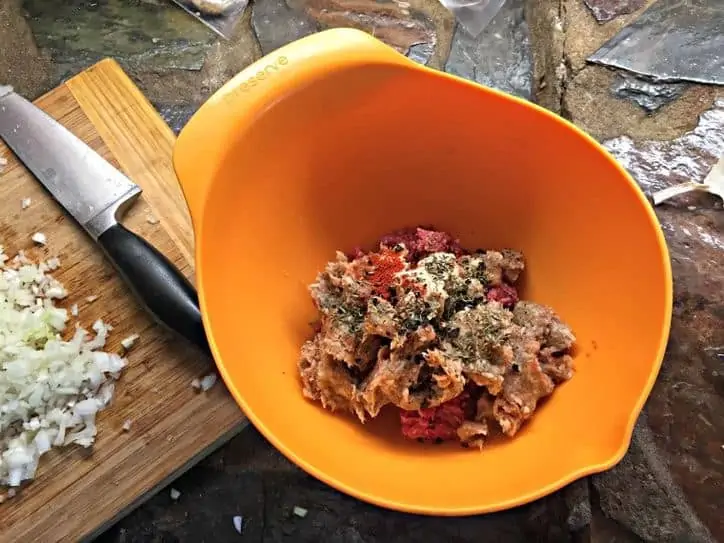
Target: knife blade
[(97, 195), (88, 187)]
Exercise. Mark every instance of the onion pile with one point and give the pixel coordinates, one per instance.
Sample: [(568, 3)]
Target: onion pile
[(50, 389)]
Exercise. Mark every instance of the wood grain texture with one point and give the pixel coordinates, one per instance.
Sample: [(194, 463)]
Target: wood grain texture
[(77, 494)]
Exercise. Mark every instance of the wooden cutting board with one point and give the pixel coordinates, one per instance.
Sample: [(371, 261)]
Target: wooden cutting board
[(77, 494)]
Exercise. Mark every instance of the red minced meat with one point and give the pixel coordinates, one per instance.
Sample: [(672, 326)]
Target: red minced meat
[(506, 294), (521, 390), (407, 236), (356, 253), (421, 242), (436, 424)]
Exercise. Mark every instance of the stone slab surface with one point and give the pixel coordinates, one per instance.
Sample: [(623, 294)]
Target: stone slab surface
[(500, 56)]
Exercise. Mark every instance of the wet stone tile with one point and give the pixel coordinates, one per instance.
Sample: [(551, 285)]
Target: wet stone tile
[(578, 502), (607, 10), (641, 494), (668, 487), (647, 95), (176, 116), (279, 22), (249, 478), (336, 518), (203, 512), (500, 56), (150, 35), (673, 40)]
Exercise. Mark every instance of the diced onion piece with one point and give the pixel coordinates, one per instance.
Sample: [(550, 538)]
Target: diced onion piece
[(25, 203), (208, 381), (85, 408), (301, 512), (129, 341), (175, 494), (39, 238), (50, 389)]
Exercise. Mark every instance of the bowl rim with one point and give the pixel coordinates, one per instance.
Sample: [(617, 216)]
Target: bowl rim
[(607, 462)]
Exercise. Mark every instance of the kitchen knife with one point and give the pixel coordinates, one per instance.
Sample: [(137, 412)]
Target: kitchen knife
[(97, 196)]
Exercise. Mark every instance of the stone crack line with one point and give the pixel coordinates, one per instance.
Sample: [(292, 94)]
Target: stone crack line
[(565, 67)]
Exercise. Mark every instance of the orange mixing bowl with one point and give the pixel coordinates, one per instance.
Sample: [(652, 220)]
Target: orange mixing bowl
[(336, 139)]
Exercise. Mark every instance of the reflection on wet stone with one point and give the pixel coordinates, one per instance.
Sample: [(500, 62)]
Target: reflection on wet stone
[(500, 56), (148, 34), (660, 164), (606, 10), (421, 52), (673, 40), (279, 22), (647, 95)]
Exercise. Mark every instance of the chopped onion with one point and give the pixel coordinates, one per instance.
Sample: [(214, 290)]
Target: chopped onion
[(208, 381), (175, 494), (39, 238), (300, 511), (126, 425), (91, 299), (152, 220), (85, 408), (196, 384), (25, 203), (129, 341), (50, 390), (238, 522)]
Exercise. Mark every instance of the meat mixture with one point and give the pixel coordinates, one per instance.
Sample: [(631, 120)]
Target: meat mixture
[(436, 331)]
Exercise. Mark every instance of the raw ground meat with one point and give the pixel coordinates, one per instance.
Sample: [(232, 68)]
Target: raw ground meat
[(435, 423), (505, 294), (436, 332), (421, 242)]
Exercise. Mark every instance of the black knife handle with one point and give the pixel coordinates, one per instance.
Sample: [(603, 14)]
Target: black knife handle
[(157, 283)]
